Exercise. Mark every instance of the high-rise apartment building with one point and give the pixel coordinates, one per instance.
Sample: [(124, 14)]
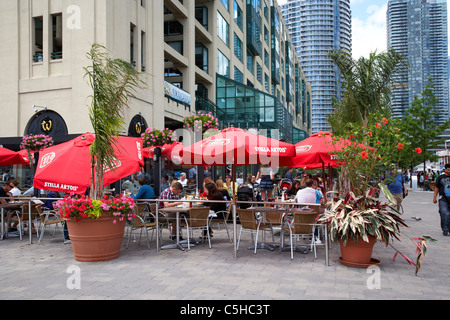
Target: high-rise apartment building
[(317, 26), (232, 57), (418, 30)]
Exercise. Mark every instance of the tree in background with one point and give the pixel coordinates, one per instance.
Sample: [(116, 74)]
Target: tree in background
[(419, 125), (366, 86)]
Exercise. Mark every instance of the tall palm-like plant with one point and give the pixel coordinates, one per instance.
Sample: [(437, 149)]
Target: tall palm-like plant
[(367, 85), (113, 82)]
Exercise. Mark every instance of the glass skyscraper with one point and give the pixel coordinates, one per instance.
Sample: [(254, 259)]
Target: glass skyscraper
[(316, 27), (418, 30)]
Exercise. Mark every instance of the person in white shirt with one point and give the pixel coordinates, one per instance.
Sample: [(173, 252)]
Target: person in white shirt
[(307, 194), (15, 191), (183, 179)]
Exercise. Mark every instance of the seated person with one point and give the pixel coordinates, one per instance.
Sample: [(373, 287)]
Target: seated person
[(164, 183), (308, 194), (292, 192), (171, 193), (190, 186), (223, 191), (183, 179), (212, 193), (204, 195), (145, 191), (15, 192), (5, 192), (48, 204)]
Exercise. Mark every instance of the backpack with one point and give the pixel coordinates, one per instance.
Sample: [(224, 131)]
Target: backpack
[(244, 193)]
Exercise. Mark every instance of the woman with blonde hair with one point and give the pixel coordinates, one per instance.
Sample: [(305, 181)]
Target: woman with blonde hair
[(220, 186)]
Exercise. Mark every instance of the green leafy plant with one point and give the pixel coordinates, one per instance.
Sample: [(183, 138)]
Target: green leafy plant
[(113, 82)]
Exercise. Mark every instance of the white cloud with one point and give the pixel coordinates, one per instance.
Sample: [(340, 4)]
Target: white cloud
[(370, 35)]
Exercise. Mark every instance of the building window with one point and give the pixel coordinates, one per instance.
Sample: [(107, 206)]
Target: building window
[(223, 64), (172, 28), (238, 47), (223, 29), (238, 76), (250, 62), (258, 72), (177, 45), (266, 59), (201, 14), (143, 51), (238, 15), (132, 45), (225, 3), (201, 57), (38, 36), (57, 37)]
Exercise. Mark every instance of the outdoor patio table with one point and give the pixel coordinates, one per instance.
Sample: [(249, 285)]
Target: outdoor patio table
[(178, 210), (8, 206)]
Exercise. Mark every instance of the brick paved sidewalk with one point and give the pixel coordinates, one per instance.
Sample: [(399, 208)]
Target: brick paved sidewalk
[(46, 271)]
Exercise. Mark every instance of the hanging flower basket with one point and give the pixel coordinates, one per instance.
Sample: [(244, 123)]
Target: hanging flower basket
[(201, 121), (34, 143), (154, 137)]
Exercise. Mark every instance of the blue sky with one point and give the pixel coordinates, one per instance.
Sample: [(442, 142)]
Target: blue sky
[(368, 26)]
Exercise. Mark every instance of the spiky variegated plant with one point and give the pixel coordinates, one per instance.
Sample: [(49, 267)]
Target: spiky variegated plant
[(360, 217), (113, 82)]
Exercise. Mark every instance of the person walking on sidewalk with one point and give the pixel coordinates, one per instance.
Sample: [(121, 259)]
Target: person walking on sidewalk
[(442, 188)]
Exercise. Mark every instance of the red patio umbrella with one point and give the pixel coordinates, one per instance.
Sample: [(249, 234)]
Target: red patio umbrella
[(238, 147), (9, 157), (318, 150), (67, 167), (24, 155)]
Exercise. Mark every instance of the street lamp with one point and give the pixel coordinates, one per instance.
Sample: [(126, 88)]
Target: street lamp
[(35, 108)]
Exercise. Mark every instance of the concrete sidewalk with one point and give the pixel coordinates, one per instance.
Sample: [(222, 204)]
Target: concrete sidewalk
[(48, 271)]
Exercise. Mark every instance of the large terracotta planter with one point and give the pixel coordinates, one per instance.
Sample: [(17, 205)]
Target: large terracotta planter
[(358, 255), (96, 240)]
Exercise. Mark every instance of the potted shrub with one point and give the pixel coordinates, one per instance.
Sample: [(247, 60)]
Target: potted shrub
[(358, 218), (96, 224)]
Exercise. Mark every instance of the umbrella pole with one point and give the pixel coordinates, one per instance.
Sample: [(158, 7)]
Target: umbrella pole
[(233, 168)]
